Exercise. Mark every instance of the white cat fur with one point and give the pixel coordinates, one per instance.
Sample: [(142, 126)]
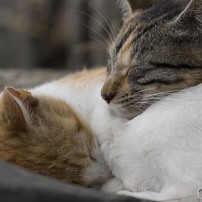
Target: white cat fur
[(157, 155)]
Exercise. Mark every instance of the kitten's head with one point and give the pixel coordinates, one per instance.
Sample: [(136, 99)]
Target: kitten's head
[(157, 51), (44, 135)]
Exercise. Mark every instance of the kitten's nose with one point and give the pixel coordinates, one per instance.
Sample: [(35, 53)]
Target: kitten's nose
[(108, 96)]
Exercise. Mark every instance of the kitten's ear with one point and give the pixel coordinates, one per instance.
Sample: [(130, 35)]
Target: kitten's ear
[(129, 6), (191, 16), (19, 107)]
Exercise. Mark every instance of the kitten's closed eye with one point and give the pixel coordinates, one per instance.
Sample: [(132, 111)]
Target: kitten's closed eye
[(163, 47), (45, 135)]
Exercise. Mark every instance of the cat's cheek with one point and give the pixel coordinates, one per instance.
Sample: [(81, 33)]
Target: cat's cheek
[(117, 110)]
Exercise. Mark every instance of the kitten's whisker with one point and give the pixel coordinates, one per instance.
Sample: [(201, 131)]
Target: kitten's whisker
[(129, 104), (105, 29), (144, 90), (138, 99), (97, 40), (110, 25), (136, 109), (134, 95), (141, 109), (156, 94), (100, 35), (141, 101), (126, 98), (130, 97), (153, 97), (162, 93)]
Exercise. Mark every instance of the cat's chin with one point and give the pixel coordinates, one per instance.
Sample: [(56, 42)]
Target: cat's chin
[(119, 111)]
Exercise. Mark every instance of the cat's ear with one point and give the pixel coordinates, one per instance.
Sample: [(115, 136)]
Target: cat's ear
[(129, 6), (191, 16), (19, 107)]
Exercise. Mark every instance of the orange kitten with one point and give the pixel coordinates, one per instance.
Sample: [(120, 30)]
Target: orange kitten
[(46, 135)]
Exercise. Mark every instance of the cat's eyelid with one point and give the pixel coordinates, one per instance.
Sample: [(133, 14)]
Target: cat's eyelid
[(131, 68), (171, 65)]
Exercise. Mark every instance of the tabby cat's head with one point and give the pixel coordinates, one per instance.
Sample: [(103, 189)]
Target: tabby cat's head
[(157, 51), (44, 135)]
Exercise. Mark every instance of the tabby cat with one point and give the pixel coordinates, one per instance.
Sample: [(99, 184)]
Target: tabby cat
[(154, 76), (157, 51), (156, 155)]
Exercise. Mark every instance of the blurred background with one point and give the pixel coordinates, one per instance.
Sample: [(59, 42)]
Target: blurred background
[(57, 34)]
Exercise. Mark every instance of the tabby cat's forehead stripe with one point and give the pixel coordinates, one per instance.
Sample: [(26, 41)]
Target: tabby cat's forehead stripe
[(124, 55), (128, 28), (133, 34), (123, 39), (141, 23)]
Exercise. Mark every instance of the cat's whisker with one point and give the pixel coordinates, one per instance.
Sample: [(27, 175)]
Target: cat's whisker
[(148, 103), (131, 103), (140, 109), (136, 109), (129, 97), (141, 101), (97, 21), (157, 94), (137, 99), (145, 90), (134, 95), (99, 41), (100, 35), (110, 25), (153, 97)]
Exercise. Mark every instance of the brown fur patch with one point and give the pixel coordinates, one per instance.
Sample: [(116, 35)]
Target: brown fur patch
[(58, 144), (85, 76)]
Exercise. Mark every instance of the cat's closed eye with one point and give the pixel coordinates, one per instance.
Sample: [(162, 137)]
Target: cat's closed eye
[(163, 43)]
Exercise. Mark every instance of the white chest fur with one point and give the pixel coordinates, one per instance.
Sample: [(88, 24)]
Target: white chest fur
[(160, 150)]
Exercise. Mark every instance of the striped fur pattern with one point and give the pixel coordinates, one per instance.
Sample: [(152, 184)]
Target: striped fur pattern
[(157, 52)]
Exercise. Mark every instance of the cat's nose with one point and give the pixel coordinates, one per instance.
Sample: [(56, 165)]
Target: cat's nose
[(108, 96)]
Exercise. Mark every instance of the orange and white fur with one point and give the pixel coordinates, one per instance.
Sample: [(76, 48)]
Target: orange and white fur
[(46, 129), (156, 155)]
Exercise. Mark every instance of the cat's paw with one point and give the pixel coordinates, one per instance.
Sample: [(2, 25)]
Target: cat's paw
[(112, 186), (148, 195), (133, 183), (124, 192)]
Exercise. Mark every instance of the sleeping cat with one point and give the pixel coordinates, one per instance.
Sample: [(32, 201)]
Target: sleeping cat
[(45, 134), (157, 52), (157, 155), (148, 154), (156, 55), (51, 129)]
